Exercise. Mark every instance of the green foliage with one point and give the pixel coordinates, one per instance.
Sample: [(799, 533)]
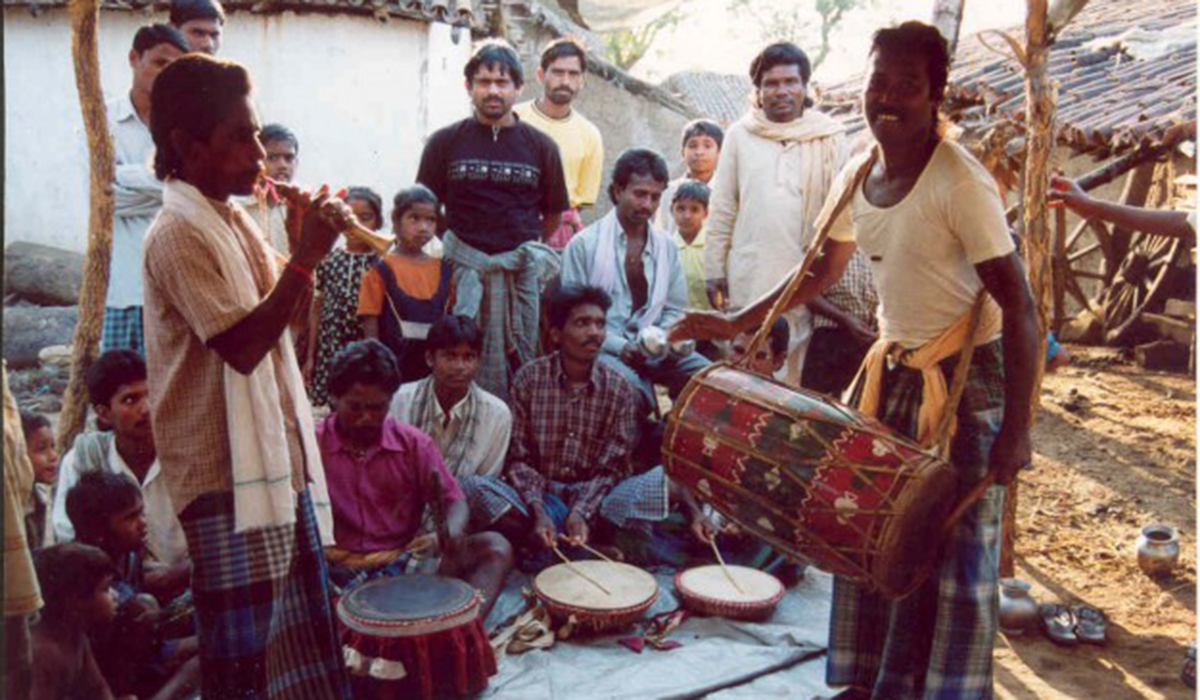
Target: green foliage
[(625, 47), (789, 20)]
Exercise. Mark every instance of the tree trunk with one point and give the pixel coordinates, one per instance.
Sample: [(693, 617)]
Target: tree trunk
[(947, 17), (1039, 109), (85, 15)]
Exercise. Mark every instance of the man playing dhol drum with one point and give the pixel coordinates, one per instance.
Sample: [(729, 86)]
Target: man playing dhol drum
[(930, 219)]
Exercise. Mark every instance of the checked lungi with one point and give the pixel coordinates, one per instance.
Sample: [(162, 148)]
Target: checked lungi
[(937, 643), (635, 501), (263, 609), (122, 330)]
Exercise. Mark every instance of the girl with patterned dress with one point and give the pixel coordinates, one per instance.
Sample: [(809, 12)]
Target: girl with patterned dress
[(334, 309)]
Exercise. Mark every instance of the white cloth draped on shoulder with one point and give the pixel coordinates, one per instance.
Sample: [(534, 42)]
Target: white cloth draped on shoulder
[(261, 462)]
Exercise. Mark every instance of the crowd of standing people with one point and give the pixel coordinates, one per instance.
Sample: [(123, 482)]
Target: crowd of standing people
[(488, 389)]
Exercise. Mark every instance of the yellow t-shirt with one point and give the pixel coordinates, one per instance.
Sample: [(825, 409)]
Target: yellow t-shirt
[(691, 259), (580, 147)]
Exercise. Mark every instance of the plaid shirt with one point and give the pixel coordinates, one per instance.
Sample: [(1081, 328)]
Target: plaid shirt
[(570, 435), (853, 293)]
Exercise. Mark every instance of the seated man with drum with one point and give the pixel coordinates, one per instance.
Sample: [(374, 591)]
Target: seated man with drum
[(382, 475), (637, 264), (575, 423), (930, 218)]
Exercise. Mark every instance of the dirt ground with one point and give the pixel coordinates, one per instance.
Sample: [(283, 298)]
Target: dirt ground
[(1115, 451)]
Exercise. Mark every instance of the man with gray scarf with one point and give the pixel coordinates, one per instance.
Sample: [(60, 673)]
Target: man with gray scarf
[(137, 194), (502, 184)]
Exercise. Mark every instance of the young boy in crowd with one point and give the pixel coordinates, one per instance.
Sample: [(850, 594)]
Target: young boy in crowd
[(702, 141), (134, 652), (689, 209), (769, 358), (75, 580), (403, 294), (43, 455)]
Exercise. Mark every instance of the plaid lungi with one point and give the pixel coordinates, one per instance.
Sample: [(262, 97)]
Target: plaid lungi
[(635, 501), (263, 609), (122, 330), (936, 643)]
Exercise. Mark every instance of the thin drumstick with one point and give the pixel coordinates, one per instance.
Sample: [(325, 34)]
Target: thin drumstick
[(721, 561), (582, 575), (564, 538)]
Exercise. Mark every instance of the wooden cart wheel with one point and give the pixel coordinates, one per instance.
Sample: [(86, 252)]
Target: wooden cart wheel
[(1087, 254), (1139, 283)]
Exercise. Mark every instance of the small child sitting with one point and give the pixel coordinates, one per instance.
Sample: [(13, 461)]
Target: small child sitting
[(43, 455), (403, 294), (74, 579), (144, 650), (768, 359)]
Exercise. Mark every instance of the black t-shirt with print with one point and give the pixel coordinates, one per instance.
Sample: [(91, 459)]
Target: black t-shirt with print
[(496, 185)]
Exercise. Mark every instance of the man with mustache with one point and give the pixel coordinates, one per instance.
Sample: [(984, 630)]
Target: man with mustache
[(579, 142), (575, 424), (501, 183), (930, 218), (774, 171), (637, 264), (383, 475), (117, 390)]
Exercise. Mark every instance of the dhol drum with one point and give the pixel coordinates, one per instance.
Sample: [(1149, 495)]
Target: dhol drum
[(602, 596), (709, 591), (415, 636), (811, 477)]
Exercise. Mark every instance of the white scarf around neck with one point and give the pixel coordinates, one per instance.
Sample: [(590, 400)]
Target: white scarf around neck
[(604, 267)]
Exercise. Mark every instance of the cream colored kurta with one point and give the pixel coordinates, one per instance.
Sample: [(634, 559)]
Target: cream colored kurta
[(766, 194)]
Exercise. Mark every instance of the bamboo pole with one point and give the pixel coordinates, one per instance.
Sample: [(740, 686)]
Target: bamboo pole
[(85, 16), (947, 17)]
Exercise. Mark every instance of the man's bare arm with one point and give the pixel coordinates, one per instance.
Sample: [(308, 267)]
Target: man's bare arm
[(249, 340), (1004, 278)]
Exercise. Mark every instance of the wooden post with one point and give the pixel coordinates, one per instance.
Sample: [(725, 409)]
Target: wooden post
[(1059, 271), (947, 17), (1039, 110), (85, 16)]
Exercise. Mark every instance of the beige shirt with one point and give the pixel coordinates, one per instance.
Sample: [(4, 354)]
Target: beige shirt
[(188, 304), (21, 592), (923, 249), (580, 146), (489, 447)]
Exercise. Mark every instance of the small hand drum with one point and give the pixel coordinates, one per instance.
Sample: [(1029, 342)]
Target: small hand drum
[(708, 591), (565, 593), (415, 636)]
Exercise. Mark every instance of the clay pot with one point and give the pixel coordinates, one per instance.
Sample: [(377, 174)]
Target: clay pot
[(1018, 610), (1158, 549)]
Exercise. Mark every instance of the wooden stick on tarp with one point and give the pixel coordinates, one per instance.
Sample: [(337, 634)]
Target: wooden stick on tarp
[(85, 16)]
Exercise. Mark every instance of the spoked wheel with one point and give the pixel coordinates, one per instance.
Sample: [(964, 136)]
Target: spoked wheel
[(1088, 255), (1139, 283)]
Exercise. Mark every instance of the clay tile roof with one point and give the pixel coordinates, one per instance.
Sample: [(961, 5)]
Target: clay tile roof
[(455, 12), (1126, 71), (722, 98)]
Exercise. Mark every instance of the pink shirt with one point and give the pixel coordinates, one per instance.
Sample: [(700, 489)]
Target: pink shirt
[(379, 498)]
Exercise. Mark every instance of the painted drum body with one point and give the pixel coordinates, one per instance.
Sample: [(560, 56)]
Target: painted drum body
[(811, 477)]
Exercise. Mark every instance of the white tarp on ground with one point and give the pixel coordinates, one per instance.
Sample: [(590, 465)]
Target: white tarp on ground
[(719, 659)]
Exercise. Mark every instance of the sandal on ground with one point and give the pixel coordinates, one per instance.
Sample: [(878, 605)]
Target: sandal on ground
[(1090, 624), (1058, 624)]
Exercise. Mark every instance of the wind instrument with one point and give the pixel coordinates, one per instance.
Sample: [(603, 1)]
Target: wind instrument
[(379, 242)]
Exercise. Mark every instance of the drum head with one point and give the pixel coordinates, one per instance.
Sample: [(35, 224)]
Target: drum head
[(628, 585), (407, 598), (710, 582)]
